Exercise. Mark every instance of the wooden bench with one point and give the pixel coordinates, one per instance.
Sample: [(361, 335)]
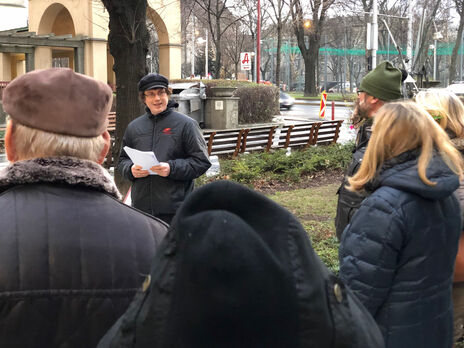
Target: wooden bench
[(258, 139), (327, 132), (264, 138), (220, 142), (299, 135), (111, 123)]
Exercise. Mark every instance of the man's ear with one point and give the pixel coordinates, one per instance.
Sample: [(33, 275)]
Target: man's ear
[(106, 148), (9, 145)]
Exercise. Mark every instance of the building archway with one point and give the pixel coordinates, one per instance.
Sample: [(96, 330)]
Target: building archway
[(58, 20), (167, 28)]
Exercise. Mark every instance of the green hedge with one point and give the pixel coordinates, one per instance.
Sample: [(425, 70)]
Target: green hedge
[(258, 103), (279, 165)]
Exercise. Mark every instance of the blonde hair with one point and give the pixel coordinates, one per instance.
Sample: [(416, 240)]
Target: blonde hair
[(400, 127), (32, 143), (445, 107)]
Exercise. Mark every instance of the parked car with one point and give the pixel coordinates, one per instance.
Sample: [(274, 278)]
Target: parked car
[(286, 101), (457, 88)]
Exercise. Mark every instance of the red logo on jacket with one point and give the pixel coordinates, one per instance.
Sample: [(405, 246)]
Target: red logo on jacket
[(167, 131)]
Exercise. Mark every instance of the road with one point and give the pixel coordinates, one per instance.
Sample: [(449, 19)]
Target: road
[(311, 112)]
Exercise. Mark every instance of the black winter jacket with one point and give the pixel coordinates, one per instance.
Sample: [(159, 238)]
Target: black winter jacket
[(348, 202), (398, 252), (72, 255), (175, 139), (238, 270)]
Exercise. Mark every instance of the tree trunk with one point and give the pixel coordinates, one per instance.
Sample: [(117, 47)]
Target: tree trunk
[(310, 60), (454, 54), (311, 53), (217, 67), (128, 43)]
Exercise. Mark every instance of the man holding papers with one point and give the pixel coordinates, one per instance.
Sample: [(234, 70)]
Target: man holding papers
[(171, 152)]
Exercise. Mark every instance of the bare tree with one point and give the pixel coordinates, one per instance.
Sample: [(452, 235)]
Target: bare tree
[(219, 17), (234, 44), (309, 48), (460, 10), (128, 42), (279, 17), (428, 20), (251, 20)]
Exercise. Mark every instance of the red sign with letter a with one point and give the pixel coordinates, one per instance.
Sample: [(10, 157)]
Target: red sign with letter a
[(245, 60)]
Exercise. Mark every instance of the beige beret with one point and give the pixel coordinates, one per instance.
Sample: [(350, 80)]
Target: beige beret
[(59, 100)]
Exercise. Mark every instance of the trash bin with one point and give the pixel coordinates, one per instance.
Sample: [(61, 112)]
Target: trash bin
[(191, 98)]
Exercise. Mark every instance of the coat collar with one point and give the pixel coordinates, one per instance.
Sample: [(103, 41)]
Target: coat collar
[(59, 170)]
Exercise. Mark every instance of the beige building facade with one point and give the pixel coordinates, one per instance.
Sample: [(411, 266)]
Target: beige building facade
[(73, 33)]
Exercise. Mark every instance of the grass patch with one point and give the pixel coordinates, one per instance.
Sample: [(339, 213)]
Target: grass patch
[(315, 209)]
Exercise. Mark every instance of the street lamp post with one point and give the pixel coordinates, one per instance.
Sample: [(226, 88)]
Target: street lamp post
[(193, 48), (436, 36), (434, 48), (206, 53), (325, 62), (205, 41)]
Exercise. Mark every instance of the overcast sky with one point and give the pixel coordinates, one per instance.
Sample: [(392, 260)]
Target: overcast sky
[(12, 17)]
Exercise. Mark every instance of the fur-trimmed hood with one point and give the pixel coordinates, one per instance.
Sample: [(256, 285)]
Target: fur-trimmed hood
[(60, 170)]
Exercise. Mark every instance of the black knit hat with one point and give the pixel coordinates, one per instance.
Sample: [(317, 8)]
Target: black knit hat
[(152, 81), (238, 270)]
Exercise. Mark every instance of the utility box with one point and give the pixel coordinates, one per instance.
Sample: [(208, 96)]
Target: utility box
[(191, 99)]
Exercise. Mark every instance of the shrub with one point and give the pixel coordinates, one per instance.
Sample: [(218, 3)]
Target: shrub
[(258, 103), (248, 168)]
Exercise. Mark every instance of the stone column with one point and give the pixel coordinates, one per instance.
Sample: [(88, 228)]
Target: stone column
[(221, 112), (43, 57), (95, 63), (170, 56), (5, 67)]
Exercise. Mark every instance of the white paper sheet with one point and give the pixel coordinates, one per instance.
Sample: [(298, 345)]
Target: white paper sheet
[(145, 159)]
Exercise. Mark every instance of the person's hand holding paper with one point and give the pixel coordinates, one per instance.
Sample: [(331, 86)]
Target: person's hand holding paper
[(143, 162), (162, 169)]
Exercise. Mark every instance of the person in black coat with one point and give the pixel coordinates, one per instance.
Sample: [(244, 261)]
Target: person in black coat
[(178, 144), (238, 270), (398, 252), (72, 254), (381, 85)]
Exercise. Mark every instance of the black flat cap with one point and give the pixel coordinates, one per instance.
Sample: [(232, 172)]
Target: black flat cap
[(152, 81)]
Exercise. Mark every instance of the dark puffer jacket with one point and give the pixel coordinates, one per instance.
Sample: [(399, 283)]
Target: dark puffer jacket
[(175, 139), (398, 252), (349, 202), (238, 270), (72, 255)]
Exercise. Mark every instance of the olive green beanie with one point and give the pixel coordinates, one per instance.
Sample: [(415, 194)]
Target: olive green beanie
[(384, 82)]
